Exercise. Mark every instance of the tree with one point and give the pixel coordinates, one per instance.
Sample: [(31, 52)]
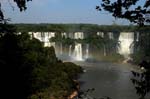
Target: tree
[(141, 82), (128, 9), (21, 4)]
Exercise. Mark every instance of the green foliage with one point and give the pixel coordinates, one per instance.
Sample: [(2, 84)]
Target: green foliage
[(141, 81), (131, 10), (142, 47), (35, 69), (72, 69), (7, 28), (21, 4), (68, 41), (62, 40), (137, 57), (69, 28)]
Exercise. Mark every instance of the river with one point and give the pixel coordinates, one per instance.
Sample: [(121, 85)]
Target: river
[(108, 79)]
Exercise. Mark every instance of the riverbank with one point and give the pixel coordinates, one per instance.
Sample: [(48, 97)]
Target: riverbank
[(76, 91)]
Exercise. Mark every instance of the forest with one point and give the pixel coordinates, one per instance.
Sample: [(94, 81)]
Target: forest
[(88, 28), (31, 71)]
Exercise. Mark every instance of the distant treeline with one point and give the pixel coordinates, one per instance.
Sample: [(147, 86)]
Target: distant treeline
[(87, 28)]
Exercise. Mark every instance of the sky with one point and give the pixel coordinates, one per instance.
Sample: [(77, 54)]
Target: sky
[(59, 11)]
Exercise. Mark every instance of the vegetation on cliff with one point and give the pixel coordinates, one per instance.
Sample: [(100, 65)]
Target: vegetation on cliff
[(30, 70)]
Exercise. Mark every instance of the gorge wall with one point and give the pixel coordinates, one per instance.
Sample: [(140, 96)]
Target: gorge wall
[(80, 45)]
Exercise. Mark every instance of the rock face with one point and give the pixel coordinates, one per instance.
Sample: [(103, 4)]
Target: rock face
[(75, 92), (73, 95), (80, 51)]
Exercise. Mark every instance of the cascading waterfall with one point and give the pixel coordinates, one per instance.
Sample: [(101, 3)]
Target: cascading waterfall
[(50, 35), (78, 52), (104, 50), (78, 47), (110, 35), (64, 35), (126, 39), (100, 34), (137, 36), (71, 35), (61, 51), (87, 51), (70, 50), (44, 37), (78, 35)]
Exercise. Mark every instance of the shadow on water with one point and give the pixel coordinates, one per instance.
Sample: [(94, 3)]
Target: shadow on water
[(86, 95)]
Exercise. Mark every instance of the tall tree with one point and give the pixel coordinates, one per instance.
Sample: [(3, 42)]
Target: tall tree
[(21, 4), (131, 10)]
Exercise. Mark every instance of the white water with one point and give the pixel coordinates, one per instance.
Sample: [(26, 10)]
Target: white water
[(61, 51), (44, 37), (78, 47), (126, 39), (64, 35), (104, 50), (100, 34), (137, 37), (87, 51), (78, 35), (78, 52), (47, 36), (70, 50), (111, 35)]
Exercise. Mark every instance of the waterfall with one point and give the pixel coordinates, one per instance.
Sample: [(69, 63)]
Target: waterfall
[(100, 34), (137, 37), (50, 35), (104, 50), (78, 46), (64, 35), (87, 51), (71, 35), (126, 39), (70, 51), (44, 37), (78, 35), (78, 52), (61, 49), (110, 35), (37, 35), (46, 41)]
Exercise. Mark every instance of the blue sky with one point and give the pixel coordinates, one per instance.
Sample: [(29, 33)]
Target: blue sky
[(59, 11)]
